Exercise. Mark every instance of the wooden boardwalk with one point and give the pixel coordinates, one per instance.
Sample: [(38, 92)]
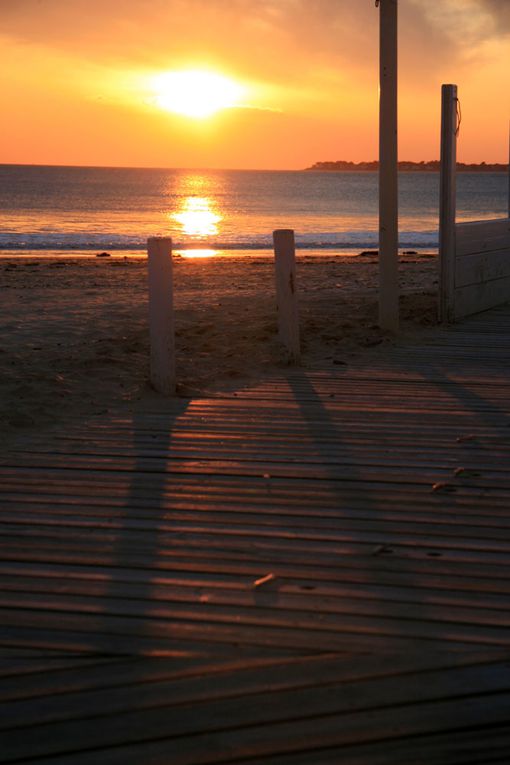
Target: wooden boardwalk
[(311, 570)]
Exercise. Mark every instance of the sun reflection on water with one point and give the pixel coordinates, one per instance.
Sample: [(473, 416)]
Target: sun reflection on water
[(198, 217)]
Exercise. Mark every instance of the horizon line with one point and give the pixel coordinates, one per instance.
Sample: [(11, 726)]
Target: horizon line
[(238, 169)]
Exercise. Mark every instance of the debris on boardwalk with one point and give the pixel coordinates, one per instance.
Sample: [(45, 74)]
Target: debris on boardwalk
[(443, 487), (264, 580)]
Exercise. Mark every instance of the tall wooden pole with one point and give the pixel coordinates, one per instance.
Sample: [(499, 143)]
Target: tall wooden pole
[(447, 203), (388, 168)]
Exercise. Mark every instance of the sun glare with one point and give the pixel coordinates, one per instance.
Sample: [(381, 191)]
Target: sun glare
[(197, 217), (195, 93), (203, 253)]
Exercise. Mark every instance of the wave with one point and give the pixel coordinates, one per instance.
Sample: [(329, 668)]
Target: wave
[(345, 240)]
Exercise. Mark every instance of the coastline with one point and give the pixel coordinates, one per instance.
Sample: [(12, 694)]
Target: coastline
[(432, 166), (75, 341), (207, 252)]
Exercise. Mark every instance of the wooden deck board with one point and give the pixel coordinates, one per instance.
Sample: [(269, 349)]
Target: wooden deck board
[(275, 695), (379, 710), (377, 494)]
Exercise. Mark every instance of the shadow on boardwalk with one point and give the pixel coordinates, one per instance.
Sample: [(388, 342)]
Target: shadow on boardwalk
[(311, 598)]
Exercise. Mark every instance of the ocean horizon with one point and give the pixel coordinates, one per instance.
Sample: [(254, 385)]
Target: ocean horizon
[(85, 210)]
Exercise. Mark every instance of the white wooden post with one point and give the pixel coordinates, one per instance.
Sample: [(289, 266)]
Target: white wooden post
[(286, 292), (388, 168), (447, 203), (161, 315)]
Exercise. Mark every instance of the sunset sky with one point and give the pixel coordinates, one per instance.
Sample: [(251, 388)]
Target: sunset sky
[(90, 81)]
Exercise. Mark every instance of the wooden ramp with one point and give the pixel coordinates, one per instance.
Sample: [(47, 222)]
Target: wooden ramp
[(313, 569)]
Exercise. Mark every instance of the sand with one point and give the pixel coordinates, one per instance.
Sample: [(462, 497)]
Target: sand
[(74, 339)]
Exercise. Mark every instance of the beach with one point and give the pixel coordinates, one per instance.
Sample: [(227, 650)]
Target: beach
[(75, 340)]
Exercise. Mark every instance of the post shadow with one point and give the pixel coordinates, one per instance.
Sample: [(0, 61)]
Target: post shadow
[(135, 549), (317, 419)]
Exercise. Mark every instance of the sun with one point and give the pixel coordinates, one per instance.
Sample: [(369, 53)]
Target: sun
[(195, 93)]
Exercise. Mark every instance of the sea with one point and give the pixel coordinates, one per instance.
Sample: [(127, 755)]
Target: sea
[(49, 210)]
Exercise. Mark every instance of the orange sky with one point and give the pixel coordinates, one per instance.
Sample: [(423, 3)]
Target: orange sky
[(77, 80)]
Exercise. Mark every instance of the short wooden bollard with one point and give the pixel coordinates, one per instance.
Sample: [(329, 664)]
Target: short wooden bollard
[(161, 315), (286, 292)]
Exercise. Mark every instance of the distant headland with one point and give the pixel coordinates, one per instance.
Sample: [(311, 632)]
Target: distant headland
[(427, 167)]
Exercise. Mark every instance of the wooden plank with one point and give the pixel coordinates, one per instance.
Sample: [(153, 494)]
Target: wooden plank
[(475, 505), (482, 270), (257, 625), (74, 635), (303, 571), (482, 236), (325, 448), (368, 443), (259, 491), (364, 600), (143, 471), (233, 732), (482, 745), (69, 682), (270, 539), (486, 267), (117, 635), (18, 666), (115, 476), (273, 509), (314, 528), (306, 593), (302, 565), (445, 520), (149, 683), (481, 297), (229, 431), (337, 688), (268, 544), (303, 452)]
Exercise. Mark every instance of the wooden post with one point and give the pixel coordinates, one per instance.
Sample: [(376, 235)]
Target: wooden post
[(447, 203), (286, 292), (388, 168), (161, 315)]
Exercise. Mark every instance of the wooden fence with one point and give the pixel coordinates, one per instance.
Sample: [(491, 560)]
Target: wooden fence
[(474, 257)]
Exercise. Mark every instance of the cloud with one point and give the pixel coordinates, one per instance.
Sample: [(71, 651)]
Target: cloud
[(286, 42), (177, 23), (470, 21), (500, 12)]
